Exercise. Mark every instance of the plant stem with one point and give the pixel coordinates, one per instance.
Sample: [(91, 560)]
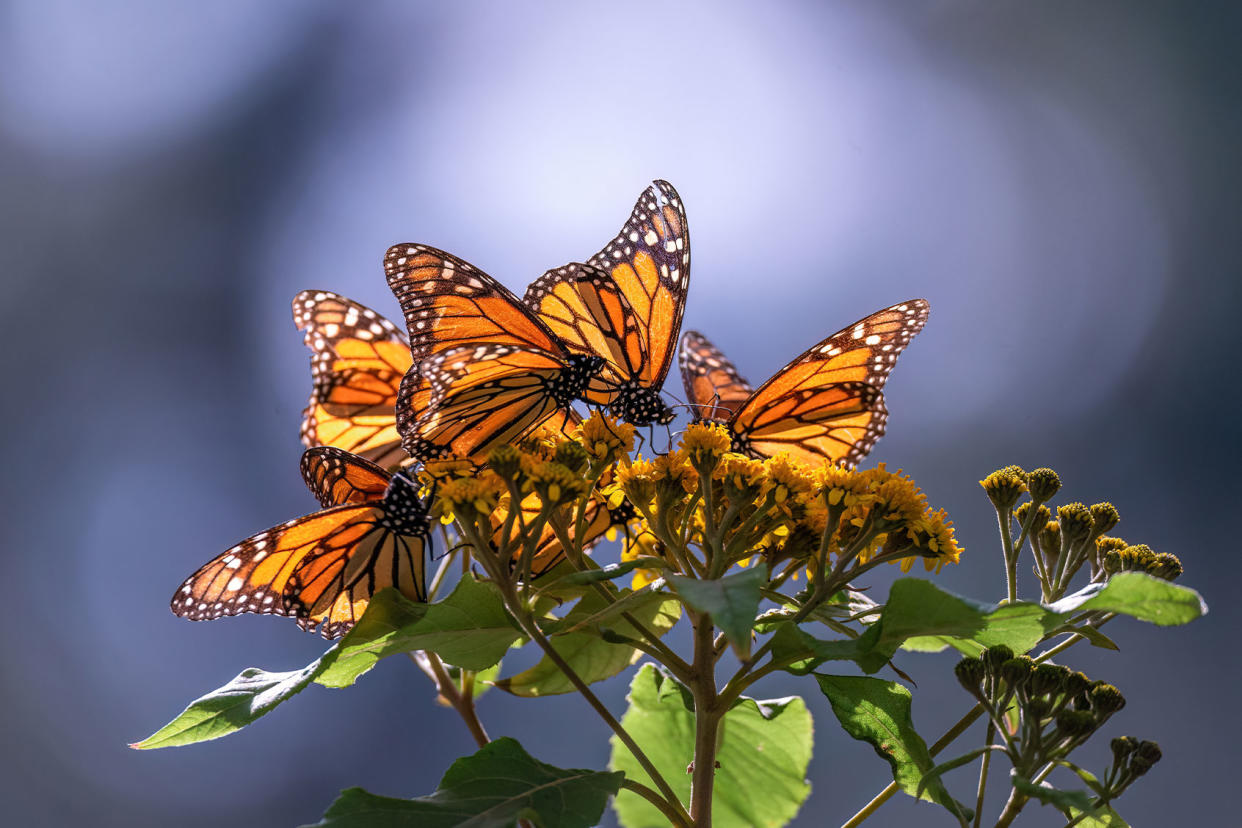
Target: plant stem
[(983, 774), (461, 700), (1012, 808), (536, 635), (673, 817), (706, 721)]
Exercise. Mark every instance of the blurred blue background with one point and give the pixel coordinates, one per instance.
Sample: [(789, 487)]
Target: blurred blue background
[(1059, 179)]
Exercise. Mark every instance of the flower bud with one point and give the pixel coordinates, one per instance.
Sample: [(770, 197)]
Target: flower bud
[(1076, 684), (1106, 699), (970, 672), (1016, 671), (1047, 678), (1166, 566), (1123, 747), (994, 657), (1050, 540), (1004, 487), (1145, 755), (506, 461), (572, 456), (1043, 484), (1042, 514), (1038, 709), (1104, 517), (1076, 723), (1075, 521)]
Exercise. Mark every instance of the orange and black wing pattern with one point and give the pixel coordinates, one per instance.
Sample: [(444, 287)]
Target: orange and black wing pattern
[(448, 303), (486, 371), (828, 403), (336, 477), (322, 568), (471, 399), (625, 304), (357, 361), (714, 388)]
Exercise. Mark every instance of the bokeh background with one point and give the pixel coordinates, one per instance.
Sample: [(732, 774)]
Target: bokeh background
[(1059, 179)]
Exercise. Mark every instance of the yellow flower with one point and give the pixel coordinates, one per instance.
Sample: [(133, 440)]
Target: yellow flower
[(840, 486), (705, 443), (672, 472), (468, 497), (743, 476), (438, 471), (555, 483), (1004, 486), (788, 477), (605, 439), (899, 501), (933, 537), (637, 482)]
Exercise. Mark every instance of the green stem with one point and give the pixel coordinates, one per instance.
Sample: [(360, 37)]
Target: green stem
[(673, 817), (707, 716), (461, 700), (983, 774)]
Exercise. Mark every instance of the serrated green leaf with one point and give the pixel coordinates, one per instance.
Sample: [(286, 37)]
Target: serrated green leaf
[(491, 789), (878, 712), (1045, 793), (470, 628), (732, 601), (252, 694), (765, 747), (1140, 596), (593, 658)]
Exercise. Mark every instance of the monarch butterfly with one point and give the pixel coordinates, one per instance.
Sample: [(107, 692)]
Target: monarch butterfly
[(625, 304), (825, 405), (486, 371), (357, 361), (323, 567)]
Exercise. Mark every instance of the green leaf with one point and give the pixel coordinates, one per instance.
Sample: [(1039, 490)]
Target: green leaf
[(878, 712), (732, 601), (1104, 817), (938, 643), (593, 658), (765, 747), (484, 680), (1045, 793), (491, 789), (1097, 638), (801, 653), (1140, 596), (469, 629), (252, 694)]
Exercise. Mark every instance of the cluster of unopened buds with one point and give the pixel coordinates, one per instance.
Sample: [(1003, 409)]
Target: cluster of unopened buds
[(1064, 541)]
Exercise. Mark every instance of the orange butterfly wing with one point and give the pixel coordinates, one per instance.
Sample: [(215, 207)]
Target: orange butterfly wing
[(714, 388), (626, 303), (826, 404), (357, 361), (336, 477), (475, 398), (449, 302), (320, 568)]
